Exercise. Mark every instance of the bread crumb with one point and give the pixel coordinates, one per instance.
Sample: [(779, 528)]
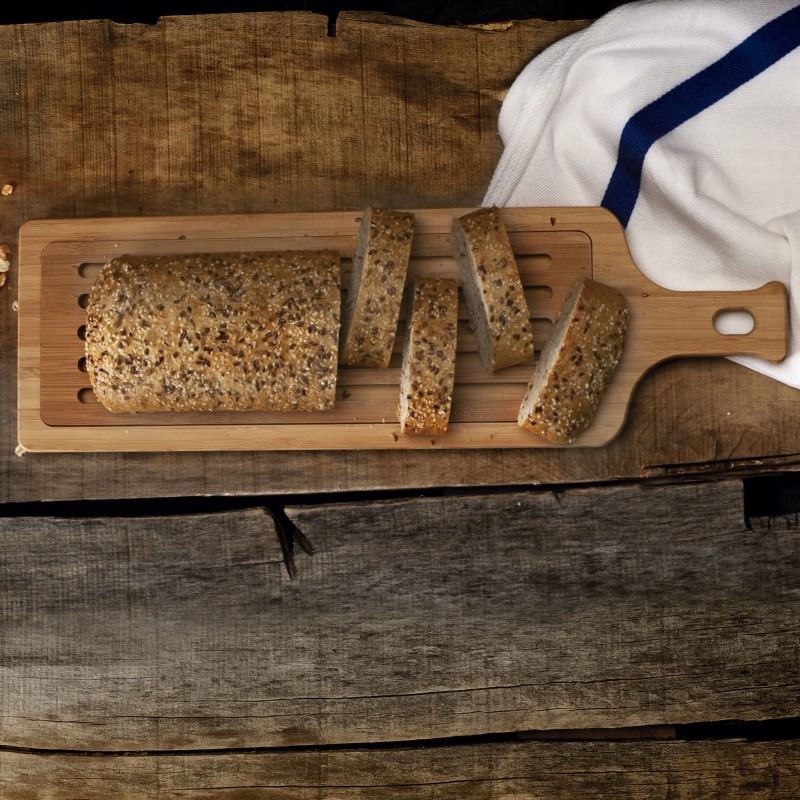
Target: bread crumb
[(14, 305), (20, 451), (2, 279), (8, 188), (5, 258)]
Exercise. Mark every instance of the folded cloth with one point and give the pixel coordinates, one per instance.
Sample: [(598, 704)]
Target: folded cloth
[(684, 120)]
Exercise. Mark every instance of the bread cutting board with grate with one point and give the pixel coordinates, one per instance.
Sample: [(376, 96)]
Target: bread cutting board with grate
[(554, 247)]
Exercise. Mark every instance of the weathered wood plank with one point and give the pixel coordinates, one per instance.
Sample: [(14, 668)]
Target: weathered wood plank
[(414, 619), (708, 770), (220, 113)]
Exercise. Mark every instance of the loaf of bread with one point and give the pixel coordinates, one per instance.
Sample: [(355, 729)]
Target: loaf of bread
[(493, 290), (216, 332), (429, 357), (369, 323), (577, 363)]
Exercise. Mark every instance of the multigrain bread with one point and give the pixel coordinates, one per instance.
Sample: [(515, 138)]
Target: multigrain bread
[(493, 290), (216, 332), (429, 357), (576, 364), (369, 323)]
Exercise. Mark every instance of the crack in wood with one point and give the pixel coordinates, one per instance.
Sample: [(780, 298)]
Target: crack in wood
[(778, 729)]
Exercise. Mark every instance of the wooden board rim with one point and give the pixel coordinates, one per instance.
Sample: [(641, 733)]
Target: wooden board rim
[(610, 260)]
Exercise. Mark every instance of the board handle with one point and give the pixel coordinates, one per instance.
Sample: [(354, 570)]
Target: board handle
[(684, 322)]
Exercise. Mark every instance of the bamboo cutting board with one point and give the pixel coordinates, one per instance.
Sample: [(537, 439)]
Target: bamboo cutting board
[(554, 247)]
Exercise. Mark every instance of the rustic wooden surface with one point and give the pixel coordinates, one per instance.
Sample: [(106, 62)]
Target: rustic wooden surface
[(266, 112), (136, 652), (713, 770), (414, 619)]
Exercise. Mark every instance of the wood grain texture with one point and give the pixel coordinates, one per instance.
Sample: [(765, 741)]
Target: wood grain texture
[(414, 619), (100, 119), (712, 770)]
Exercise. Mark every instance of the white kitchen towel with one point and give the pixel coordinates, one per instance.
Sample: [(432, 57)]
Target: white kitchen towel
[(683, 118)]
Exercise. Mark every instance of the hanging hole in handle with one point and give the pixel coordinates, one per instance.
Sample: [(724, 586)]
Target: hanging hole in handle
[(734, 322)]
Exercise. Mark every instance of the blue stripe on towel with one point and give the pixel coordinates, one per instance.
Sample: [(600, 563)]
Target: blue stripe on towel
[(757, 52)]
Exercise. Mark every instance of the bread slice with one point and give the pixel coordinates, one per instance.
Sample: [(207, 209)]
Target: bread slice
[(376, 287), (215, 332), (493, 289), (577, 363), (429, 357)]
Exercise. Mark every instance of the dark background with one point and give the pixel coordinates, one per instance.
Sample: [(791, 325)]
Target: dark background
[(444, 12)]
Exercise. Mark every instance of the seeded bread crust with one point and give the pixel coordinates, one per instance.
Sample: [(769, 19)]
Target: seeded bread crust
[(429, 358), (376, 287), (493, 289), (577, 363), (216, 332)]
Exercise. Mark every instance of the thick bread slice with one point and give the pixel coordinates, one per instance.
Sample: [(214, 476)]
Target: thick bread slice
[(216, 332), (577, 363), (429, 357), (493, 289), (369, 323)]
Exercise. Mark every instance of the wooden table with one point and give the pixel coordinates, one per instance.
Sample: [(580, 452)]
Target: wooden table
[(508, 635)]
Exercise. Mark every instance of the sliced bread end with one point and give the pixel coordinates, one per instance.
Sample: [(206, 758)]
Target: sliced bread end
[(577, 364)]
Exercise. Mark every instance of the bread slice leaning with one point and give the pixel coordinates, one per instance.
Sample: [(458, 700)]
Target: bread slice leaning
[(577, 363), (370, 315), (493, 289), (429, 357)]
